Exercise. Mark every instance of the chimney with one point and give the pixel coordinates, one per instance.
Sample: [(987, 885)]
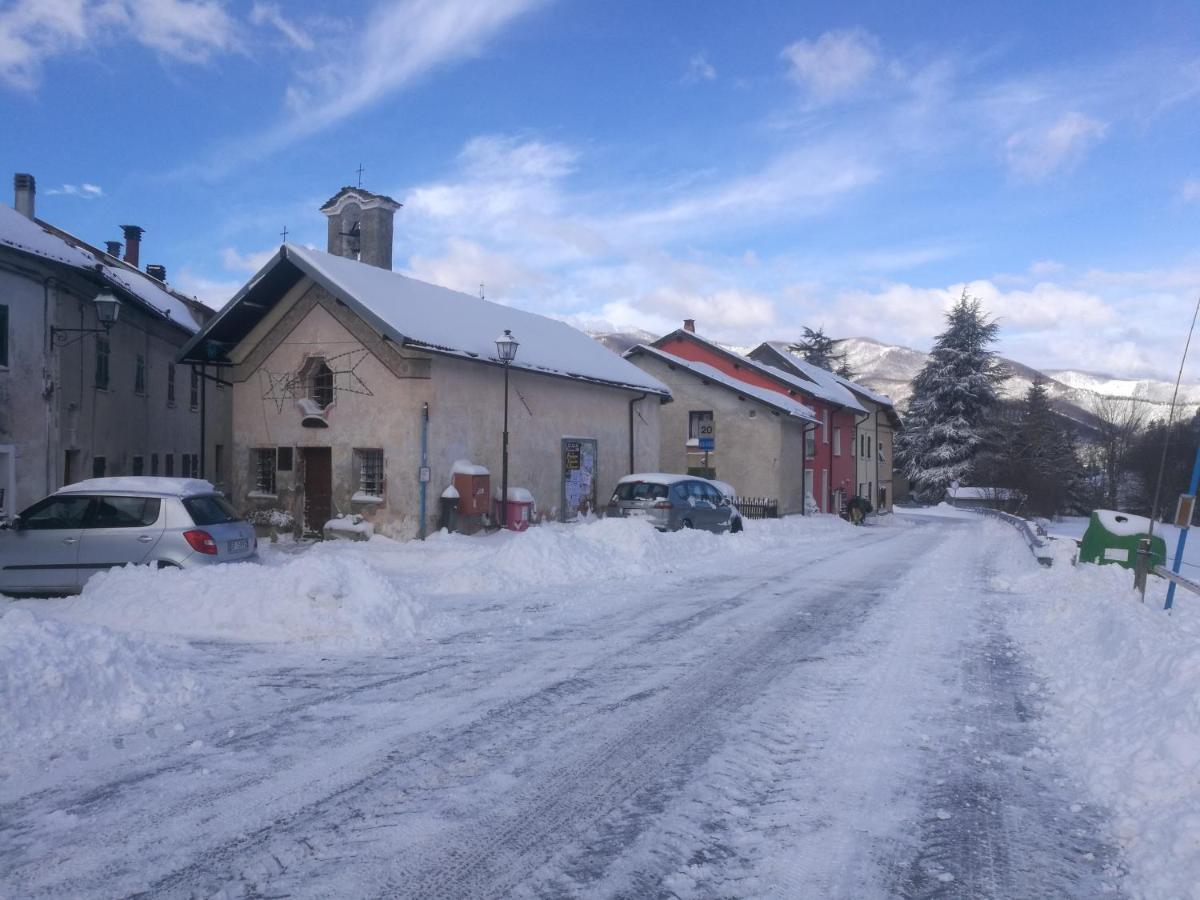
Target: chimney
[(24, 187), (113, 248), (689, 325), (157, 272), (133, 243)]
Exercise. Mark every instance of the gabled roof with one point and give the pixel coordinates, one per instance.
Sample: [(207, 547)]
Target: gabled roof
[(416, 314), (814, 385), (772, 399), (786, 357), (47, 242)]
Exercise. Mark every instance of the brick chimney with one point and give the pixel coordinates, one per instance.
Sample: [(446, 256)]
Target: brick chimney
[(133, 243), (157, 272), (24, 188), (689, 325), (113, 248)]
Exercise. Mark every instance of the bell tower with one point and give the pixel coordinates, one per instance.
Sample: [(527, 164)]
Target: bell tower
[(360, 225)]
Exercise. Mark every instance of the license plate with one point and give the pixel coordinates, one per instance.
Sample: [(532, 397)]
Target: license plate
[(239, 545)]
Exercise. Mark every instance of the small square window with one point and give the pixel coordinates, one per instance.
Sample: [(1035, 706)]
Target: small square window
[(370, 472), (99, 466), (284, 459), (139, 465), (262, 470), (153, 463), (169, 461)]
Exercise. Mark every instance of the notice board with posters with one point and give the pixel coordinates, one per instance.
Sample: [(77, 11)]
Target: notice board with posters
[(578, 478)]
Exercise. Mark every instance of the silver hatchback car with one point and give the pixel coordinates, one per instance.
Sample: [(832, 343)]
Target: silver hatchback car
[(57, 544), (671, 502)]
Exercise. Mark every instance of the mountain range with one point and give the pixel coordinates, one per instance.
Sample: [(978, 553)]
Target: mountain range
[(890, 368)]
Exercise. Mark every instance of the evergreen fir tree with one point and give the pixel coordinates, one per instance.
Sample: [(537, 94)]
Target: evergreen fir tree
[(1044, 459), (947, 422), (817, 348)]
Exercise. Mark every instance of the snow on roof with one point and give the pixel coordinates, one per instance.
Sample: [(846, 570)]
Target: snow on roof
[(447, 321), (773, 399), (141, 484), (821, 388), (981, 493), (825, 385), (1121, 523), (28, 236), (656, 478)]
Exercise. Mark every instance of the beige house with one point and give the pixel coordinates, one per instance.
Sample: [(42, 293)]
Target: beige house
[(357, 390), (78, 399)]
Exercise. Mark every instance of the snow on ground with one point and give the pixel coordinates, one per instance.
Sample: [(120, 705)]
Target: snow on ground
[(914, 708), (60, 680), (1120, 686)]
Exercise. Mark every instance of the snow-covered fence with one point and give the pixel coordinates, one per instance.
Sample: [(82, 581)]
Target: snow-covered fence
[(1038, 544), (1180, 580), (757, 507)]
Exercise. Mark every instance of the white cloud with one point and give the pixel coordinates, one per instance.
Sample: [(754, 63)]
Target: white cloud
[(269, 14), (1035, 153), (234, 261), (698, 70), (1189, 191), (85, 190), (215, 292), (34, 31), (835, 65)]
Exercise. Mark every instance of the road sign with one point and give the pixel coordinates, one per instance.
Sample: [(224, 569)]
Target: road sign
[(707, 443)]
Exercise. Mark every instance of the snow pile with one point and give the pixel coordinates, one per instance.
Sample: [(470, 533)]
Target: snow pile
[(328, 599), (1121, 678), (58, 677)]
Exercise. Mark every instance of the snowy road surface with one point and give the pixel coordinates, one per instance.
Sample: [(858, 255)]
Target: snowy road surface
[(849, 718)]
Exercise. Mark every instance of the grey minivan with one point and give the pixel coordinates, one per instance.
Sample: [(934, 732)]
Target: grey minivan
[(671, 502), (56, 545)]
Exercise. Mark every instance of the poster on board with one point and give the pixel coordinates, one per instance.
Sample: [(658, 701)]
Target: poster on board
[(578, 477)]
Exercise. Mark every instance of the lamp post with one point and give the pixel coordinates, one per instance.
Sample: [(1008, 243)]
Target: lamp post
[(506, 352), (108, 308)]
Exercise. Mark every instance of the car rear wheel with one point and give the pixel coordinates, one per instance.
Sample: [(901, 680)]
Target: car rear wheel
[(686, 523), (735, 526)]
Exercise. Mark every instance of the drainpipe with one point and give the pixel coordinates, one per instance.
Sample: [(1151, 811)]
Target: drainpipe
[(858, 422), (203, 416), (631, 402), (829, 487), (48, 373), (422, 475)]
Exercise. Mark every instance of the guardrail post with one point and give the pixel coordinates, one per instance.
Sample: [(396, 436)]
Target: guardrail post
[(1141, 567)]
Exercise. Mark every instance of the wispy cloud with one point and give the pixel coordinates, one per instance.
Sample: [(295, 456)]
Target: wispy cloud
[(249, 263), (85, 190), (835, 65), (33, 32), (270, 14), (1189, 191), (1033, 154), (698, 70)]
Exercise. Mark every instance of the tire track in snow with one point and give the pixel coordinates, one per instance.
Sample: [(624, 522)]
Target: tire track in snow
[(1000, 819)]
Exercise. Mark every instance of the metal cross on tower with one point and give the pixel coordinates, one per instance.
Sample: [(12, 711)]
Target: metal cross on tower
[(283, 234), (360, 171)]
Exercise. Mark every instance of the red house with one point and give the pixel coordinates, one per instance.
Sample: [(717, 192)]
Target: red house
[(829, 464)]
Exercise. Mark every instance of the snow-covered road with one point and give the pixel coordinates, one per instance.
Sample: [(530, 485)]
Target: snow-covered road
[(848, 718)]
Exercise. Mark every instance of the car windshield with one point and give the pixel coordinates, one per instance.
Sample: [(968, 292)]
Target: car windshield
[(641, 490), (210, 509)]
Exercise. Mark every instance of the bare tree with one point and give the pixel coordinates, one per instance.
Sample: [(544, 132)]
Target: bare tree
[(1119, 422)]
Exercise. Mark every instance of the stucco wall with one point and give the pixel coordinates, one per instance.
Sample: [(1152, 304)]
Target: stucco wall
[(50, 405), (759, 452), (465, 401)]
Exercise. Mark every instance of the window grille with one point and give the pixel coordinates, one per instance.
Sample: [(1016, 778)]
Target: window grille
[(370, 472), (262, 469)]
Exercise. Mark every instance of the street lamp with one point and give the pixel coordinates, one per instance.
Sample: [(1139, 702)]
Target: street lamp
[(506, 352), (108, 308)]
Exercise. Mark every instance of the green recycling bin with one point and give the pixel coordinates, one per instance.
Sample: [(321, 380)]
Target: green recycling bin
[(1112, 537)]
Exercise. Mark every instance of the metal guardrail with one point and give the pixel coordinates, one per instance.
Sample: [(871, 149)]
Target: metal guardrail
[(1039, 545), (1181, 580)]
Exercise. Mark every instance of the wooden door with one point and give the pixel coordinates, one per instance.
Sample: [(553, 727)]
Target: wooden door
[(318, 488)]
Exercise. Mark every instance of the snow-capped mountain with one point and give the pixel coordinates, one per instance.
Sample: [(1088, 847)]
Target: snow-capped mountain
[(889, 369)]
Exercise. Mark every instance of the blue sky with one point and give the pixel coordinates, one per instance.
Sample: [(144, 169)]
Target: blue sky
[(755, 166)]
